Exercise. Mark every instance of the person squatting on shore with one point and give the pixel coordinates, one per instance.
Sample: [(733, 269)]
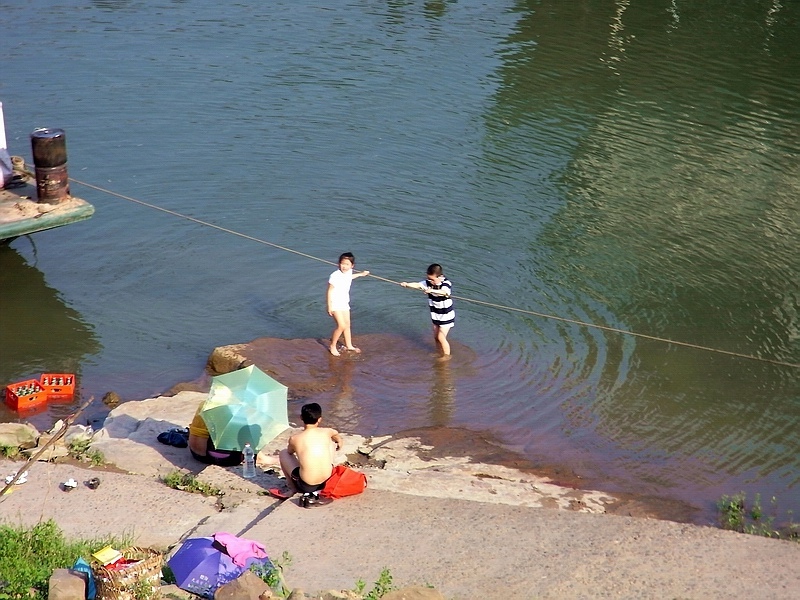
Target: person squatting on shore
[(307, 460), (202, 448), (338, 298), (443, 315)]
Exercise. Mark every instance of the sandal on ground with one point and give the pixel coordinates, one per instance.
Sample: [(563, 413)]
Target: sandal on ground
[(280, 494)]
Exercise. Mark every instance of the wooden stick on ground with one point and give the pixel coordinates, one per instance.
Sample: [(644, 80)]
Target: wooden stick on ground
[(59, 434)]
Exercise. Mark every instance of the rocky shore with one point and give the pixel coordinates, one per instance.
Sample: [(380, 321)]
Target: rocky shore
[(468, 526)]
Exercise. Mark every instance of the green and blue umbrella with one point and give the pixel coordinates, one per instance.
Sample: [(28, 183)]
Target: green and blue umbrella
[(245, 406)]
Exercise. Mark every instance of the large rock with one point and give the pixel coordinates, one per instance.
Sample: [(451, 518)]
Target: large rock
[(129, 435), (248, 586), (64, 584), (18, 435)]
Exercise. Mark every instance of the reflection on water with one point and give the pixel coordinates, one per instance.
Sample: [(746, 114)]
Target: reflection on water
[(343, 409), (30, 312), (443, 394), (679, 220)]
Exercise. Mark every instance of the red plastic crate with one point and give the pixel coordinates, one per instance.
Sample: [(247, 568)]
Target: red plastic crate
[(58, 386), (24, 396)]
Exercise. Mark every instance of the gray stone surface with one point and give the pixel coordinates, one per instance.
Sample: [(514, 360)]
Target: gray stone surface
[(19, 435), (131, 505), (66, 585), (440, 522)]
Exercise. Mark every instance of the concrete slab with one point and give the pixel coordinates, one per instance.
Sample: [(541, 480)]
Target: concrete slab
[(21, 213), (508, 547), (139, 507)]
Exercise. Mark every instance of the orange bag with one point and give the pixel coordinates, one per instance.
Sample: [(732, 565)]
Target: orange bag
[(344, 481)]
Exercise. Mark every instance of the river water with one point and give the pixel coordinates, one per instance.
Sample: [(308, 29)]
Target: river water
[(627, 164)]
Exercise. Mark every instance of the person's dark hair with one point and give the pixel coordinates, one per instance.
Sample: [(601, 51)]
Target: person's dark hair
[(435, 269), (347, 255), (311, 413)]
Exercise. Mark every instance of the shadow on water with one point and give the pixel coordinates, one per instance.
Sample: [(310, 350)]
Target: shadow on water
[(31, 311)]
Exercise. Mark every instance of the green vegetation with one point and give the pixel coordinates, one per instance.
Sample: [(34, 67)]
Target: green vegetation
[(9, 451), (79, 449), (379, 589), (189, 483), (273, 575), (30, 555), (144, 590), (167, 576), (736, 514)]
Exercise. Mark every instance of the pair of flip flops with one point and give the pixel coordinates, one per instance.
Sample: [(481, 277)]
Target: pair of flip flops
[(175, 437)]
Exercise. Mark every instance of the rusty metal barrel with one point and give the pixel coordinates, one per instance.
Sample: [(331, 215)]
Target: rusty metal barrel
[(50, 161)]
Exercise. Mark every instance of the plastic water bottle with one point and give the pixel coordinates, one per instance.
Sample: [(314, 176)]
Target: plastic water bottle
[(249, 467)]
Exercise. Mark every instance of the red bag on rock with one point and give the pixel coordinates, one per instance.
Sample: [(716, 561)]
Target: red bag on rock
[(344, 481)]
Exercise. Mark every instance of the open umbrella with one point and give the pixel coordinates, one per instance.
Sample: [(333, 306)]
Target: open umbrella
[(201, 565), (245, 406)]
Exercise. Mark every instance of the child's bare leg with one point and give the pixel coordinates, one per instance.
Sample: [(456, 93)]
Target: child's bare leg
[(348, 338), (342, 318), (436, 336), (441, 338)]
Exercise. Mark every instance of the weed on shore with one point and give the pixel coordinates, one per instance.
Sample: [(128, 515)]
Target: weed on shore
[(80, 449), (736, 514), (30, 555), (187, 482)]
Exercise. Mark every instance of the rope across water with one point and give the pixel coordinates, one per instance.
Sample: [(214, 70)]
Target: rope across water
[(460, 298)]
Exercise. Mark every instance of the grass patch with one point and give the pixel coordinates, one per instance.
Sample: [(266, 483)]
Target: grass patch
[(273, 576), (9, 451), (80, 449), (30, 555), (737, 514), (187, 482)]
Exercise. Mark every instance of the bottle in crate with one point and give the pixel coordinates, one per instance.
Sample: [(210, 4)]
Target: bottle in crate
[(58, 386), (24, 396)]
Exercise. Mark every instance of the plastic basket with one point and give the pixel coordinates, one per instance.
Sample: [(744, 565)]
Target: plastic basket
[(140, 579), (58, 386), (25, 395)]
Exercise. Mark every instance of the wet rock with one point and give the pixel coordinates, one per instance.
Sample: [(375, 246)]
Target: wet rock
[(112, 399), (226, 359)]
